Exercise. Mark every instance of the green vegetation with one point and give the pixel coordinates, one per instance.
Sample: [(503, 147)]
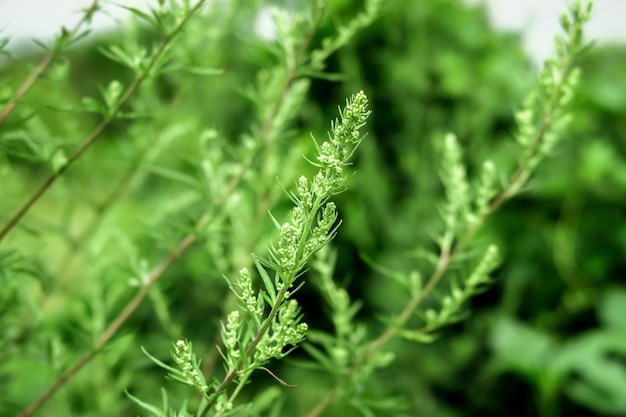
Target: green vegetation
[(190, 226)]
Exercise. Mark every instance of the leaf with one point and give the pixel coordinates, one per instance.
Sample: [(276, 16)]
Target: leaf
[(204, 71), (269, 285), (41, 44), (389, 404), (142, 15), (59, 160), (120, 56), (362, 408), (146, 406), (411, 281), (3, 43), (322, 75), (265, 400), (194, 70), (520, 347), (79, 36), (321, 358), (417, 336), (274, 220), (612, 308), (89, 104), (601, 386), (237, 410), (175, 175), (111, 95), (159, 363)]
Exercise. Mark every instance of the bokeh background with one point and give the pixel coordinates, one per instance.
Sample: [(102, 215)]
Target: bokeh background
[(546, 339), (535, 20)]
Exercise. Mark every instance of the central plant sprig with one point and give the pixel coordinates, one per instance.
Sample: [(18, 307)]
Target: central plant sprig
[(312, 218), (252, 337)]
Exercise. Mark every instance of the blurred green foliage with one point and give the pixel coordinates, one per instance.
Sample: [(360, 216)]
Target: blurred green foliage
[(434, 66), (547, 339)]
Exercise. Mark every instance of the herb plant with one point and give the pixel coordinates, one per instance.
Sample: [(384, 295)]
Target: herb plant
[(175, 213)]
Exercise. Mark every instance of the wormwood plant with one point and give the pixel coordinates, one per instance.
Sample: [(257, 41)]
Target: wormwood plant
[(207, 178), (347, 354), (267, 323), (463, 259), (93, 269)]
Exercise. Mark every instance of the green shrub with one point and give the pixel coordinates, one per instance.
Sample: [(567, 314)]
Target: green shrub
[(139, 172)]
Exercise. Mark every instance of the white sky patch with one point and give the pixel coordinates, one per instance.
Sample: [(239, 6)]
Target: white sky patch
[(538, 21), (22, 20), (265, 26)]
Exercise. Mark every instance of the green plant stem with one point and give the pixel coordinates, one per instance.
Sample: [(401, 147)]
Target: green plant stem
[(523, 172), (131, 175), (209, 360), (287, 281), (47, 60), (292, 74), (447, 255), (132, 305), (97, 132), (242, 383), (118, 321), (158, 272)]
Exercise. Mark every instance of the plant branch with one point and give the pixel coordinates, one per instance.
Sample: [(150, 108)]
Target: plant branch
[(158, 272), (47, 60), (280, 298), (119, 320), (521, 174), (292, 73), (447, 255), (97, 132)]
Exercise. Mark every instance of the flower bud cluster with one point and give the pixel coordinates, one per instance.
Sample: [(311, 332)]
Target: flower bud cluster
[(184, 357), (286, 330)]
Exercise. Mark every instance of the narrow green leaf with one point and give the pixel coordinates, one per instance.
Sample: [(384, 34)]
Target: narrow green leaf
[(142, 15), (320, 357), (117, 54), (159, 363), (417, 336), (175, 176), (146, 406), (269, 285), (41, 44), (237, 410)]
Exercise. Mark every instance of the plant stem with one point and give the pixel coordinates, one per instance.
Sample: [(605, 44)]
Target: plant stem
[(132, 305), (265, 129), (118, 321), (175, 254), (46, 61), (97, 132)]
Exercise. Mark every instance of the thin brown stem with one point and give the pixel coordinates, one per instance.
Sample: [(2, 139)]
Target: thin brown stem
[(97, 132), (47, 60), (132, 305), (118, 321), (130, 176), (154, 276)]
